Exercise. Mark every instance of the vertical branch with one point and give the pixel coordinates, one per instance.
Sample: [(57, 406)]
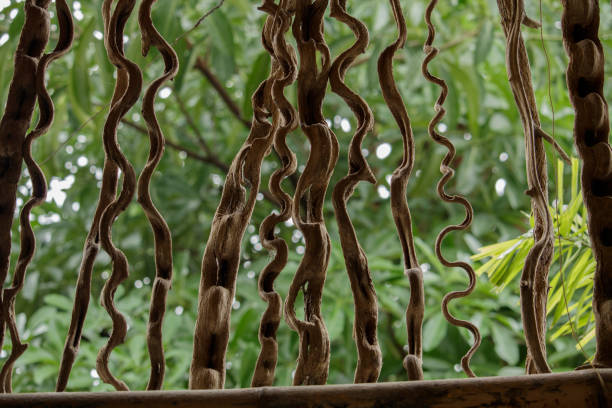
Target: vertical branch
[(114, 48), (91, 248), (447, 173), (399, 207), (585, 79), (222, 254), (534, 280), (15, 123), (285, 116), (39, 190), (161, 232), (369, 360), (313, 360)]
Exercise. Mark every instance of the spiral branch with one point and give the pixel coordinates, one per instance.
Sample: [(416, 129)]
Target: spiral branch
[(413, 362), (39, 190), (15, 122), (369, 360), (447, 174), (114, 47), (313, 359), (285, 121), (534, 279), (585, 81), (161, 232), (222, 254)]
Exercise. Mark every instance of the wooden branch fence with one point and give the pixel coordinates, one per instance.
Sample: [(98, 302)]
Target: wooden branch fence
[(311, 68)]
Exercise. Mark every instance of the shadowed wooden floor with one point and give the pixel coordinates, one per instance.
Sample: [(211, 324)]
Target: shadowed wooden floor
[(588, 389)]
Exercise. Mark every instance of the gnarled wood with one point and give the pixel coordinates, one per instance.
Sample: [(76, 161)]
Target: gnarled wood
[(161, 232), (39, 191), (413, 362), (313, 359), (15, 123), (285, 118), (585, 79), (222, 254), (534, 280), (369, 360), (447, 173)]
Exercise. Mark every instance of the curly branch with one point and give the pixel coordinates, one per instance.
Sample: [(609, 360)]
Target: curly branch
[(447, 173), (369, 360), (399, 207)]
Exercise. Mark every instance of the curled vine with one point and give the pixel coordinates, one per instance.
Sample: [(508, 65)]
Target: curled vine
[(447, 173), (413, 362)]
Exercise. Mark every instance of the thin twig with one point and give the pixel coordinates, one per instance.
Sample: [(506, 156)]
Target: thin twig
[(208, 13), (85, 123), (208, 159), (202, 66), (191, 123)]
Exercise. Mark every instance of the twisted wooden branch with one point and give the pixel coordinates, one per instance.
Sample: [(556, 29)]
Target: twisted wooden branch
[(91, 248), (114, 48), (447, 173), (108, 190), (585, 79), (222, 254), (39, 190), (161, 232), (399, 206), (285, 121), (15, 123), (369, 360), (313, 360), (534, 279)]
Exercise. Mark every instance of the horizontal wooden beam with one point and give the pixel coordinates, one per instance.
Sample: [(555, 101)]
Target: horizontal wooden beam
[(573, 390)]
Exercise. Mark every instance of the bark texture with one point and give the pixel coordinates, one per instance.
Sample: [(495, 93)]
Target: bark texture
[(447, 174), (413, 362), (534, 279), (222, 254), (313, 359), (369, 361), (161, 232), (39, 183), (15, 122), (285, 120), (585, 80)]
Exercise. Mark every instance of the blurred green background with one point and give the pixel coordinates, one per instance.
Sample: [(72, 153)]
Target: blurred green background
[(482, 121)]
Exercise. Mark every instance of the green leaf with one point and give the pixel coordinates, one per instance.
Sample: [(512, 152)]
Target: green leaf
[(59, 301), (434, 331), (506, 345), (335, 325), (484, 42), (222, 29), (79, 75), (259, 72), (470, 88)]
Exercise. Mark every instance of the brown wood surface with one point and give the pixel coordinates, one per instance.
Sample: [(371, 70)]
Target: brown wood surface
[(575, 390)]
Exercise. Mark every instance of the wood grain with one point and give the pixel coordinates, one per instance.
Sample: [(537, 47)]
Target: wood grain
[(572, 390)]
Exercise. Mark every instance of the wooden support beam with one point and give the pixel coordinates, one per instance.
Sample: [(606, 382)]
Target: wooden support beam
[(573, 390)]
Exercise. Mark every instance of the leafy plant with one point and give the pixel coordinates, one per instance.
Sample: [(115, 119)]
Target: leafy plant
[(571, 280)]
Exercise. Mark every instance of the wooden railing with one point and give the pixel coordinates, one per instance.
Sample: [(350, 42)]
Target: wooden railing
[(273, 120), (579, 389)]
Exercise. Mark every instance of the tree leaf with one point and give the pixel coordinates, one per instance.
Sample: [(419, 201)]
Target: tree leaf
[(259, 72), (506, 345), (434, 331)]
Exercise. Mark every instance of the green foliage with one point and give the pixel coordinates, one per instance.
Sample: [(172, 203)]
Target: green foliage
[(571, 279), (482, 121)]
